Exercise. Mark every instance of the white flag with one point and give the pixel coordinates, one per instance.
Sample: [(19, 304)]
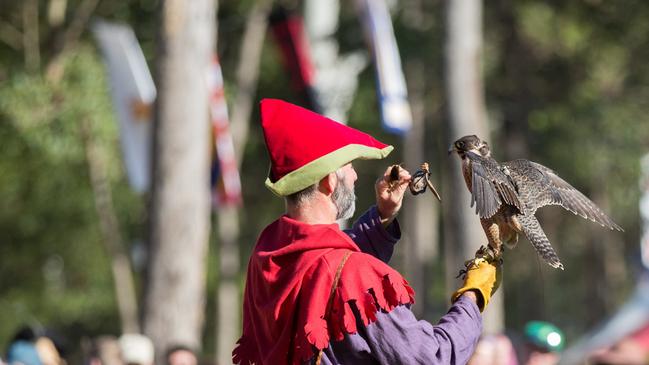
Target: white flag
[(133, 94)]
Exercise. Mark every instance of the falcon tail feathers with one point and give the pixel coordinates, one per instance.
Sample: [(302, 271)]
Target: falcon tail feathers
[(539, 240)]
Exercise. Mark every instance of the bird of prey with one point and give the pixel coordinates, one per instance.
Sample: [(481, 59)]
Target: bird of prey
[(507, 195)]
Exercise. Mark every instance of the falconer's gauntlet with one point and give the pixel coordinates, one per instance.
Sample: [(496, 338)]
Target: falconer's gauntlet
[(482, 275)]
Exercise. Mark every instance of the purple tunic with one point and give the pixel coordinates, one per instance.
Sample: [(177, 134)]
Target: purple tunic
[(398, 337)]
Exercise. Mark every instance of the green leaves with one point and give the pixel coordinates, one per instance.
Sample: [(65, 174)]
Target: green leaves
[(53, 269)]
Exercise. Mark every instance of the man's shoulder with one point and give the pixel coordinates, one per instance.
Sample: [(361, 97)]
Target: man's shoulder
[(364, 264), (370, 284), (356, 261), (361, 269)]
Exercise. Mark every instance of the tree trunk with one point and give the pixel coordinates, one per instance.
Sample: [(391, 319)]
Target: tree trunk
[(180, 206), (110, 231), (69, 39), (248, 74), (31, 39), (421, 213), (229, 304), (467, 116)]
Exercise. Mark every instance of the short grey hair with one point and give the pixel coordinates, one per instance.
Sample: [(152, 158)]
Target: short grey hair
[(302, 196), (307, 193)]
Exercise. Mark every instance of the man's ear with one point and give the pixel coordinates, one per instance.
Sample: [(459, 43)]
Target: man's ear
[(327, 184)]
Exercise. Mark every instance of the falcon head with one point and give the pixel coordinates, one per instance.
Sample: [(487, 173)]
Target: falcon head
[(468, 144)]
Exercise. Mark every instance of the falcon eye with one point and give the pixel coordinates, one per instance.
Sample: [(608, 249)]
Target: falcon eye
[(459, 144)]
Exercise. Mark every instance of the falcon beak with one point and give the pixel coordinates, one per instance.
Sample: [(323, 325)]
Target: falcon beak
[(451, 149)]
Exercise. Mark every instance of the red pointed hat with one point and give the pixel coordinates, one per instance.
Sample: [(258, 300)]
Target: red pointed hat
[(304, 146)]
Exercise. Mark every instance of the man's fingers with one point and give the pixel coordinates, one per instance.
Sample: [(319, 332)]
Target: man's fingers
[(396, 173)]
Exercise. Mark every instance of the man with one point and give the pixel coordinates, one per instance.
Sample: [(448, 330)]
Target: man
[(316, 294)]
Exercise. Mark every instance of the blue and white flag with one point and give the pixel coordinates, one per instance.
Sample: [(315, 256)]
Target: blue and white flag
[(396, 115), (133, 94)]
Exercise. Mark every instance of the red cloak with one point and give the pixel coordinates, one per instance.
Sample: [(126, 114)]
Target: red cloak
[(290, 275)]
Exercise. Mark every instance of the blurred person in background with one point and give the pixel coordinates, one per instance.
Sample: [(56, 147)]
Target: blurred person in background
[(47, 352), (105, 350), (307, 279), (631, 350), (181, 355), (136, 349), (494, 350), (22, 348), (23, 353), (543, 343)]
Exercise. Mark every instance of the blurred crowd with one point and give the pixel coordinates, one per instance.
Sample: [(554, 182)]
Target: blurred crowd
[(630, 350), (28, 347), (540, 343)]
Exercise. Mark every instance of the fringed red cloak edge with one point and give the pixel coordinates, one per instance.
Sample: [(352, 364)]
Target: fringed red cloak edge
[(366, 283)]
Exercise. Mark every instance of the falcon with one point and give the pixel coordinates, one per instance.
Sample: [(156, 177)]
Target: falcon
[(506, 196)]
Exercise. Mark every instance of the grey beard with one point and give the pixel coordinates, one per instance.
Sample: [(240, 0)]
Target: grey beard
[(344, 199)]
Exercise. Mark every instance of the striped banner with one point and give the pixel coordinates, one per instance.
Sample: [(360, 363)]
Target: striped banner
[(225, 180)]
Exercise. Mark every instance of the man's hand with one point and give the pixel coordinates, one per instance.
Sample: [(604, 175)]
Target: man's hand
[(483, 278), (389, 193)]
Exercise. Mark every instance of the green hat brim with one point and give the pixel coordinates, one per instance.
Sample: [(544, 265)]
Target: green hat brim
[(315, 170)]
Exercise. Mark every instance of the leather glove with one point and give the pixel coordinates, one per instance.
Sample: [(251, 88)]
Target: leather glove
[(483, 276)]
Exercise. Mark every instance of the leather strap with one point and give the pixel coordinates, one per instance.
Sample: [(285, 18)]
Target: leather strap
[(331, 297)]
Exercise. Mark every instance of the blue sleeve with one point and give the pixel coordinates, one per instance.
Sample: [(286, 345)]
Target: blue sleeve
[(398, 337), (372, 238)]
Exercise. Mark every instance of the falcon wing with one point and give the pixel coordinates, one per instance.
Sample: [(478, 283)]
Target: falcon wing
[(490, 187), (550, 189)]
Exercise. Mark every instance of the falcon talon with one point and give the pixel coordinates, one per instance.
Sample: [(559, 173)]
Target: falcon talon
[(473, 264), (489, 254)]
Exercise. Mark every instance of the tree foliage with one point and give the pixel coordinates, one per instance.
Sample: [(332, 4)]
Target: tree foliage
[(54, 269)]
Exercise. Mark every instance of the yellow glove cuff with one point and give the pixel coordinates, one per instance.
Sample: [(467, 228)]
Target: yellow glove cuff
[(484, 278)]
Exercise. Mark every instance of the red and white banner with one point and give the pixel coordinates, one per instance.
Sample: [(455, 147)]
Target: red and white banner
[(226, 183)]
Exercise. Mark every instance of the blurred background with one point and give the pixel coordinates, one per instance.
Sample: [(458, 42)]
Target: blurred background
[(132, 163)]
